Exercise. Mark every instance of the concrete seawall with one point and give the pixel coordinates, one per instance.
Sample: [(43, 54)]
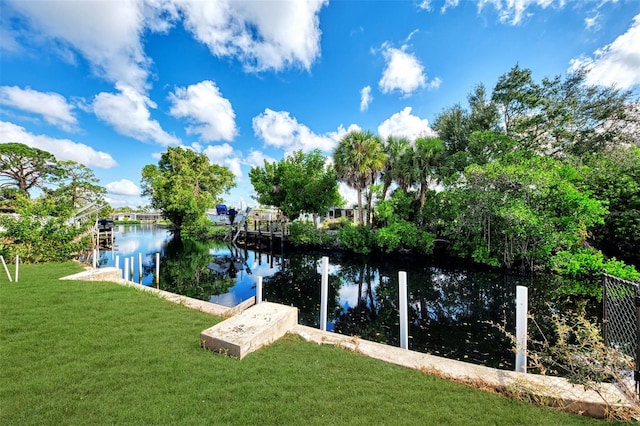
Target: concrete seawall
[(544, 390)]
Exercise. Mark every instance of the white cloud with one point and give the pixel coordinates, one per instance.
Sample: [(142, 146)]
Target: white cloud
[(449, 4), (123, 187), (257, 158), (349, 194), (235, 165), (261, 34), (128, 113), (203, 104), (365, 98), (62, 149), (53, 107), (404, 124), (425, 5), (513, 11), (403, 72), (434, 84), (218, 153), (592, 24), (280, 130), (616, 63), (106, 33)]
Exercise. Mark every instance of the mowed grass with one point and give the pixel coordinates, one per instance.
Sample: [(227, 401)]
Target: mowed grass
[(95, 353)]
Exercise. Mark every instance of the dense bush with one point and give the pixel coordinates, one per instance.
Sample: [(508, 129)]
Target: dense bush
[(306, 234), (359, 239), (36, 239), (403, 235)]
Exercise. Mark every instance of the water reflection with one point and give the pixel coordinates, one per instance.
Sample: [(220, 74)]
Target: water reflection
[(451, 309)]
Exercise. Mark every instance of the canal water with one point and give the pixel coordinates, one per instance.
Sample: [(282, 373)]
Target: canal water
[(453, 309)]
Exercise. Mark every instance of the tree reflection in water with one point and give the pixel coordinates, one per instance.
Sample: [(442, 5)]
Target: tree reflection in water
[(451, 307), (185, 270)]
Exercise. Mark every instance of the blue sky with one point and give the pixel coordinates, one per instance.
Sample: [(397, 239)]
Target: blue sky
[(112, 84)]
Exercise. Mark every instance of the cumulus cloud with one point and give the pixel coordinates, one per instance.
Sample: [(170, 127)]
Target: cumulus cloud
[(203, 105), (257, 158), (262, 35), (128, 112), (365, 98), (62, 149), (280, 130), (123, 187), (106, 33), (403, 72), (616, 63), (218, 153), (404, 124), (53, 107)]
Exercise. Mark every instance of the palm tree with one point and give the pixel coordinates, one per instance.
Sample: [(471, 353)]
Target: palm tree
[(394, 148), (358, 160), (428, 154)]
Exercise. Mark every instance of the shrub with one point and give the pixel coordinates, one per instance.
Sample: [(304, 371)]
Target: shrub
[(306, 234), (401, 234), (359, 239)]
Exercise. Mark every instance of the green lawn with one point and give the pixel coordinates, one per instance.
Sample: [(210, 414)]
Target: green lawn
[(99, 353)]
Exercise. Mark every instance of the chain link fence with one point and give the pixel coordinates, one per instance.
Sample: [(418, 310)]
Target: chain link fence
[(621, 319)]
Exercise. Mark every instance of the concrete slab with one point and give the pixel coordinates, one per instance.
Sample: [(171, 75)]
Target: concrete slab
[(248, 331), (100, 274)]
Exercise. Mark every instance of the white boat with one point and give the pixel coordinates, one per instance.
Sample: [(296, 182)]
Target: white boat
[(220, 218)]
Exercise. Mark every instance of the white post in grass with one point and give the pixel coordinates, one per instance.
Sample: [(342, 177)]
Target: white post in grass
[(404, 319), (324, 293), (259, 290), (95, 259), (521, 328), (157, 269), (6, 269), (125, 271), (17, 266)]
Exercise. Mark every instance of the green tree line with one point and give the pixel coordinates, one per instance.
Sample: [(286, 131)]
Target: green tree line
[(530, 175)]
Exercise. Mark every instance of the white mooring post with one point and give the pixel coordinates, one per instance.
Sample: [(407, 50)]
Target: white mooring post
[(131, 265), (259, 290), (140, 267), (117, 261), (521, 328), (17, 266), (157, 269), (94, 261), (404, 318), (324, 293), (6, 269), (125, 271)]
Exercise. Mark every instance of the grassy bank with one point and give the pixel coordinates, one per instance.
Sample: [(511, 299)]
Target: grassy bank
[(99, 353)]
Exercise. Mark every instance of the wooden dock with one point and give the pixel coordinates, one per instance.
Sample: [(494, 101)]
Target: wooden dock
[(256, 231)]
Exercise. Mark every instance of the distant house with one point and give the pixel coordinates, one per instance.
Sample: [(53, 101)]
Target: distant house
[(334, 213), (140, 216)]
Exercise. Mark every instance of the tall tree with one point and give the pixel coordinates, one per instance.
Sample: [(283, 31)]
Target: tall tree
[(428, 154), (517, 96), (394, 147), (184, 185), (77, 185), (25, 167), (299, 183), (358, 160)]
